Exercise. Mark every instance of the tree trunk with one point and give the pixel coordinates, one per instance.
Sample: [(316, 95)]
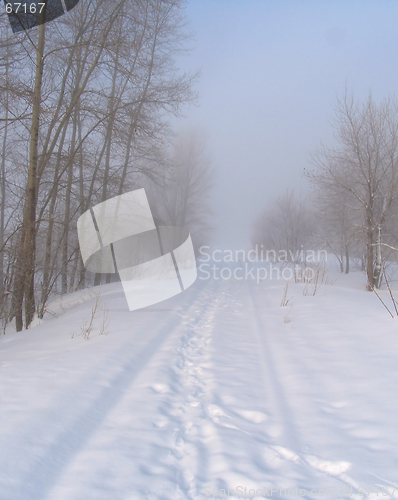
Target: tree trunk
[(65, 243), (3, 192), (25, 265), (46, 288), (347, 259), (369, 260), (32, 191), (378, 264)]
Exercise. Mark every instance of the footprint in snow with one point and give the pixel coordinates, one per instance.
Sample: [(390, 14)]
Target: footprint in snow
[(256, 417), (217, 415), (332, 468), (160, 388)]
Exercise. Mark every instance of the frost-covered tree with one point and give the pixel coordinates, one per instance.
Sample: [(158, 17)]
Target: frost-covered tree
[(286, 225), (360, 174), (84, 103), (183, 197)]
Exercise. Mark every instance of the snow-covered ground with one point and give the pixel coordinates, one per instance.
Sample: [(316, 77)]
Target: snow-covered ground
[(219, 391)]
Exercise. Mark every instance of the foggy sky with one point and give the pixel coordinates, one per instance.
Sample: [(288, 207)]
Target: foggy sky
[(271, 71)]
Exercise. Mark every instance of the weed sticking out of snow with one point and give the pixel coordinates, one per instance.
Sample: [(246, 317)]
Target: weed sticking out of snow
[(286, 317), (285, 301), (88, 324), (315, 279)]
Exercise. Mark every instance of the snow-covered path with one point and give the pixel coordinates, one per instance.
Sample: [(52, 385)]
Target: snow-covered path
[(217, 389)]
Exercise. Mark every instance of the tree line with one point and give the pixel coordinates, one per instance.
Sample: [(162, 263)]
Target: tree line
[(85, 102), (352, 208)]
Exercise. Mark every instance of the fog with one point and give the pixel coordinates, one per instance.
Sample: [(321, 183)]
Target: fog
[(270, 75)]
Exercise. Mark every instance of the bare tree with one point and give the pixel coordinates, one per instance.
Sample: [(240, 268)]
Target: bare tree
[(338, 223), (89, 93), (182, 197), (363, 169), (287, 225)]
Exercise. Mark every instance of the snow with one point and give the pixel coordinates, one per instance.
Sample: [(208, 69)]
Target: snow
[(219, 388)]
